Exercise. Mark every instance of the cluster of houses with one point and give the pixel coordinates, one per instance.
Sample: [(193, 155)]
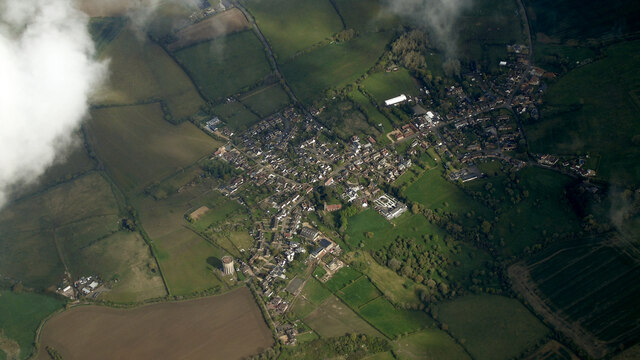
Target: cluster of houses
[(84, 286)]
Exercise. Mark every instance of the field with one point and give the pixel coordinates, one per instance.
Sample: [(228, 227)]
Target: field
[(366, 15), (124, 260), (333, 318), (430, 345), (435, 192), (138, 147), (292, 26), (41, 235), (230, 326), (226, 65), (397, 289), (237, 116), (559, 21), (577, 119), (141, 71), (315, 292), (220, 24), (20, 316), (492, 327), (267, 100), (586, 290), (385, 232), (383, 85), (188, 262), (342, 278), (486, 27), (536, 217), (334, 65), (374, 116), (393, 322), (358, 293)]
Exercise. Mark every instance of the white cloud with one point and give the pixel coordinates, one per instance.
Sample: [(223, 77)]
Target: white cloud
[(47, 72)]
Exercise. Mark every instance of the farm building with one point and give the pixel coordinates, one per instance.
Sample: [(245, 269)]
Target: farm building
[(396, 100)]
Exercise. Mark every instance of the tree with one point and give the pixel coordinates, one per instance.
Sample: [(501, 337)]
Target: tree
[(486, 227)]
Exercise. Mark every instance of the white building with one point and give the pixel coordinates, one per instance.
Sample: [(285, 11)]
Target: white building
[(396, 100)]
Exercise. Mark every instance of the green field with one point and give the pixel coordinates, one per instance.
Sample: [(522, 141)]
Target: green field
[(236, 115), (227, 65), (492, 327), (576, 117), (366, 15), (358, 293), (435, 192), (397, 289), (581, 20), (342, 278), (374, 116), (124, 261), (292, 26), (315, 292), (386, 85), (391, 321), (267, 100), (220, 210), (541, 212), (37, 231), (384, 232), (430, 344), (592, 282), (189, 263), (20, 316), (140, 71), (485, 28), (333, 66), (138, 147), (333, 318)]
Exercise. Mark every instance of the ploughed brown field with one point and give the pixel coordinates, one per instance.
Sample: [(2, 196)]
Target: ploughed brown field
[(229, 326)]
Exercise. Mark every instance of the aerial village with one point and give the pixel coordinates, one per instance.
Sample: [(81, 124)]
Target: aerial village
[(291, 154)]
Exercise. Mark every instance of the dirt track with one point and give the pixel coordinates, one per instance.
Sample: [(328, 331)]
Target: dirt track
[(229, 326)]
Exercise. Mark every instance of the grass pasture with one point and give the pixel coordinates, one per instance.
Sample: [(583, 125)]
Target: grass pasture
[(435, 192), (580, 20), (366, 15), (334, 318), (230, 326), (374, 116), (358, 293), (188, 262), (392, 321), (577, 119), (138, 147), (141, 71), (315, 292), (384, 232), (536, 217), (292, 26), (39, 233), (334, 65), (266, 100), (342, 278), (220, 24), (122, 259), (492, 327), (237, 116), (225, 66), (431, 344), (386, 85), (20, 316), (397, 289)]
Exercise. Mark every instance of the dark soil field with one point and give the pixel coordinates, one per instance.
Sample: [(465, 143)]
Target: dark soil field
[(221, 327)]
